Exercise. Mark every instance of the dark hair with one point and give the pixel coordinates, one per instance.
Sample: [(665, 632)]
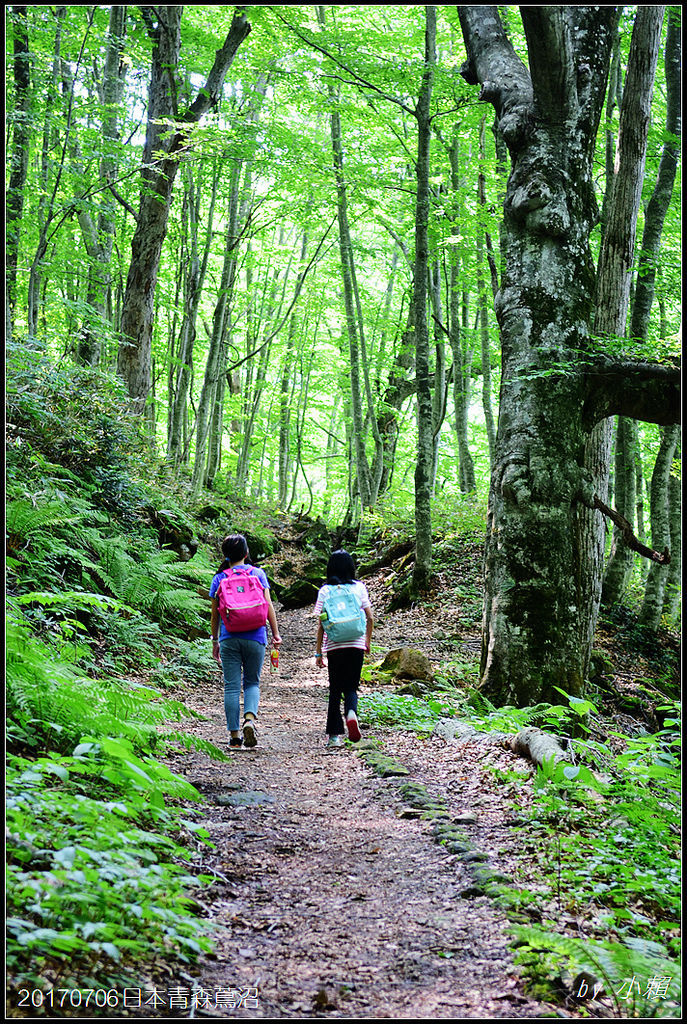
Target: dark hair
[(234, 548), (340, 568)]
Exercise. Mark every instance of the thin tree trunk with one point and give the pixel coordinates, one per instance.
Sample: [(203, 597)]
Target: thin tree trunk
[(368, 480), (269, 316), (460, 337), (484, 242), (615, 276), (439, 397), (97, 321), (620, 562), (19, 156), (220, 319), (284, 395), (46, 195), (177, 451), (655, 592), (422, 572), (673, 584)]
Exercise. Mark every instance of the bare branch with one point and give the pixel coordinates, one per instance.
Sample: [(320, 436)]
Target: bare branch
[(632, 542)]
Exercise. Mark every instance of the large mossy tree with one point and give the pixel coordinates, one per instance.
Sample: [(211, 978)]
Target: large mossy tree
[(557, 382)]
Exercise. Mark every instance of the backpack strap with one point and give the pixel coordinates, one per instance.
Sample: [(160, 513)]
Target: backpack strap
[(246, 570)]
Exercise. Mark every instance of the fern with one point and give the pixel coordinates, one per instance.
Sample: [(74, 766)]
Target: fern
[(24, 518), (56, 702), (636, 975), (189, 742), (71, 601)]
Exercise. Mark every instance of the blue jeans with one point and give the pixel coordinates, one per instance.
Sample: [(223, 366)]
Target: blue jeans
[(242, 663)]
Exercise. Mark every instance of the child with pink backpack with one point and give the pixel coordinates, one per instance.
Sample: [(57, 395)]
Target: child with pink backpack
[(241, 608)]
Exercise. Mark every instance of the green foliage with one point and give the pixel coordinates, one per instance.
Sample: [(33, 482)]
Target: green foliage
[(89, 893), (608, 828), (605, 826), (96, 885), (417, 714), (637, 978), (75, 417), (52, 703)]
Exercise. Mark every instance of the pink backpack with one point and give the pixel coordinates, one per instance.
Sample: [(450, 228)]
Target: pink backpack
[(241, 599)]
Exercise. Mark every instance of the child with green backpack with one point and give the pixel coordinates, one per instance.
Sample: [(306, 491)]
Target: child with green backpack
[(344, 631)]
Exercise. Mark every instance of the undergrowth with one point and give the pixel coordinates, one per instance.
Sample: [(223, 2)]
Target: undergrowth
[(100, 623), (597, 904)]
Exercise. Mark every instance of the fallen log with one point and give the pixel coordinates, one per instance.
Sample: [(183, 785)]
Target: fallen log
[(537, 746)]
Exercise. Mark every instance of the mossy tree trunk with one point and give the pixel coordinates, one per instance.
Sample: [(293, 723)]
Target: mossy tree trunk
[(556, 385)]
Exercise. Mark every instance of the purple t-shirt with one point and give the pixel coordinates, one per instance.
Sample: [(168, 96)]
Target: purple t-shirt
[(260, 635)]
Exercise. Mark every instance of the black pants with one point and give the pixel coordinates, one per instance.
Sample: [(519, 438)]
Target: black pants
[(345, 666)]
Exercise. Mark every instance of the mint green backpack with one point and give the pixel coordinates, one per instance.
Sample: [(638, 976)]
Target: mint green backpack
[(342, 616)]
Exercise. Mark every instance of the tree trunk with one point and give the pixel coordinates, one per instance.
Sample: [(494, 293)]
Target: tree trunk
[(97, 319), (160, 163), (97, 223), (422, 571), (19, 157), (673, 586), (46, 194), (285, 395), (654, 595), (619, 568), (620, 562), (194, 278), (352, 327), (215, 363), (536, 626), (484, 244), (399, 387), (461, 338), (440, 393), (621, 207)]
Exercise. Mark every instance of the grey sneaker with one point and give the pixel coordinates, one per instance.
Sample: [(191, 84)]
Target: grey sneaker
[(250, 733), (334, 741)]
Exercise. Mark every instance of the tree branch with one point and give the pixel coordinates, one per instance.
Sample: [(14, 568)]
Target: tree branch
[(210, 94), (122, 201), (550, 57), (297, 292), (493, 63), (356, 79), (629, 538), (642, 391)]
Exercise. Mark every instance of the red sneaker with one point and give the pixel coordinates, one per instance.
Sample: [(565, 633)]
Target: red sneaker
[(352, 727)]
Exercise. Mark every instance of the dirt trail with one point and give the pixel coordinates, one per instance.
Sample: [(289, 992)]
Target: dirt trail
[(329, 902)]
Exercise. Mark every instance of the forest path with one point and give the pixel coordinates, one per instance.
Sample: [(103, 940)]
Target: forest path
[(329, 901)]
